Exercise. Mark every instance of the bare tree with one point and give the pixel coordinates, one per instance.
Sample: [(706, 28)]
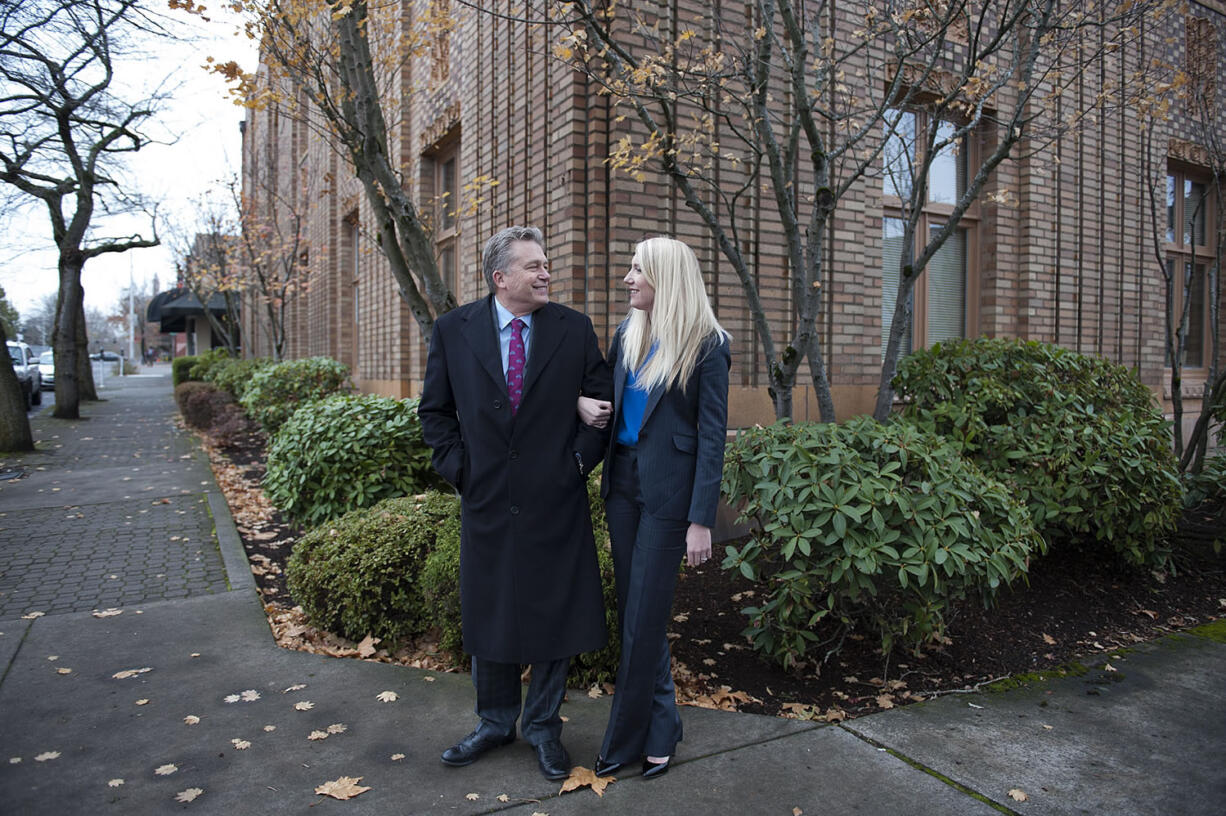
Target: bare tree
[(809, 101), (1188, 96), (15, 432), (63, 128), (348, 65)]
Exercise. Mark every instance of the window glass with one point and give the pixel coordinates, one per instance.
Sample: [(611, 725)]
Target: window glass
[(898, 155), (946, 275), (447, 194), (1194, 348), (1170, 209), (947, 173), (891, 258), (1194, 205)]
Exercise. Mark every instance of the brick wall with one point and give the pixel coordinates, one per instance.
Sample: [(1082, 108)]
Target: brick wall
[(1060, 250)]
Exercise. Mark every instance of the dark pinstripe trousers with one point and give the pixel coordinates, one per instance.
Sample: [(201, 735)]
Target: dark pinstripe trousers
[(498, 698), (647, 554)]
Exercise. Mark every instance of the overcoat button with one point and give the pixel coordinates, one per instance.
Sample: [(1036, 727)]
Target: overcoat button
[(514, 454), (497, 403), (515, 509)]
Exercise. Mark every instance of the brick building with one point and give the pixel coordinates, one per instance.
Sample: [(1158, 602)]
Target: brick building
[(1057, 250)]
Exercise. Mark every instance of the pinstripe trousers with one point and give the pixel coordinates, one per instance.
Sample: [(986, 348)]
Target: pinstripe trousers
[(499, 691)]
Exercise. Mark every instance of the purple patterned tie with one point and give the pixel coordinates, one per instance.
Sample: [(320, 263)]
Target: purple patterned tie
[(515, 365)]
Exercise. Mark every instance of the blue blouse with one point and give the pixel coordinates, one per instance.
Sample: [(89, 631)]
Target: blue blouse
[(634, 403)]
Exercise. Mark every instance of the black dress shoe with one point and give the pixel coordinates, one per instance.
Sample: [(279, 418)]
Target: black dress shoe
[(651, 770), (553, 759), (605, 768), (469, 749)]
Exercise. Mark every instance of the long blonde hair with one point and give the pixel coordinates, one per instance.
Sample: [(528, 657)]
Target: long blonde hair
[(680, 318)]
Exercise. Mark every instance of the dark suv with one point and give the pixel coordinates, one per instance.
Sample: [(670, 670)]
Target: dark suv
[(25, 366)]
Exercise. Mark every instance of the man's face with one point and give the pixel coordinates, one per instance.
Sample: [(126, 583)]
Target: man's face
[(523, 287)]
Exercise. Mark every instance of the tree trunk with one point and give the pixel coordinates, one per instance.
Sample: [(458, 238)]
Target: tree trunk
[(14, 422), (85, 382), (67, 371)]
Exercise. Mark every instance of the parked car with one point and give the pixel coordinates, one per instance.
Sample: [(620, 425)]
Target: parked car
[(106, 356), (25, 366), (46, 368)]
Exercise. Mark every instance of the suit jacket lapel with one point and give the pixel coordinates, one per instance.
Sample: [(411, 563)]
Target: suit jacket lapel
[(547, 334), (482, 339)]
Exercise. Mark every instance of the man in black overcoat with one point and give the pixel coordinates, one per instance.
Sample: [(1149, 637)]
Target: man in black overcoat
[(519, 457)]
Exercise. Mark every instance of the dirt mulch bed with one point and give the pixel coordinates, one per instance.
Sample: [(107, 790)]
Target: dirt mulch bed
[(1078, 606)]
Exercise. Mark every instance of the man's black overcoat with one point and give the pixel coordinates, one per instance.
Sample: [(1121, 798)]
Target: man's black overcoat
[(529, 581)]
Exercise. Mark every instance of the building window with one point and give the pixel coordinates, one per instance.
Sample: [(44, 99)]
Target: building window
[(446, 215), (941, 295), (1189, 254)]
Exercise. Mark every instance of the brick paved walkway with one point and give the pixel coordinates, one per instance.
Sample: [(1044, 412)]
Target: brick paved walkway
[(110, 511)]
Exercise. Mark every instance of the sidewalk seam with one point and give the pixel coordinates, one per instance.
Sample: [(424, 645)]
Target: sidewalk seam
[(934, 773), (20, 643)]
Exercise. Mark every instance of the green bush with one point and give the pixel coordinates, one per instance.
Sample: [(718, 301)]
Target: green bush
[(1207, 486), (276, 391), (1081, 440), (206, 362), (362, 573), (180, 370), (234, 375), (393, 570), (201, 403), (866, 525), (345, 452)]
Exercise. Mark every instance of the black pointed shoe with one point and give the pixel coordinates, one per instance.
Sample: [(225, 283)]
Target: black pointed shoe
[(652, 770), (553, 759), (469, 750), (606, 768)]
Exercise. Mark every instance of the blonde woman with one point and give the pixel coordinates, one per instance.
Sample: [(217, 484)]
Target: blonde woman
[(669, 416)]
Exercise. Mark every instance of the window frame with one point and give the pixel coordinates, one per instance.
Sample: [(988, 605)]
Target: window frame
[(934, 214), (1182, 255)]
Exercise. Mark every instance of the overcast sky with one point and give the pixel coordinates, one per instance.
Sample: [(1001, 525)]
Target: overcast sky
[(206, 152)]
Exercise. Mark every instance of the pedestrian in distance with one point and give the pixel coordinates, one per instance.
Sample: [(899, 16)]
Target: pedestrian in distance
[(661, 483), (498, 411)]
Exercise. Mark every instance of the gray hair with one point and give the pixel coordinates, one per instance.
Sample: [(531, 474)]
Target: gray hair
[(497, 250)]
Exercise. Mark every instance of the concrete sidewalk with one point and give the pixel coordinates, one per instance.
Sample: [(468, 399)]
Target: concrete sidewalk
[(185, 688)]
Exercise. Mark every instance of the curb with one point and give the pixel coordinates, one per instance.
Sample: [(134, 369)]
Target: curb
[(233, 556)]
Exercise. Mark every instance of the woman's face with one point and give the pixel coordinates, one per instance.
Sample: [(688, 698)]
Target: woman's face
[(642, 294)]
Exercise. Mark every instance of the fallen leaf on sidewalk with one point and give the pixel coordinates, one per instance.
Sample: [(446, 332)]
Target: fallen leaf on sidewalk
[(387, 696), (191, 719), (397, 757), (581, 777), (305, 705), (166, 770), (295, 687), (143, 701), (46, 755), (367, 647), (126, 673), (797, 812), (315, 736), (188, 795), (337, 728), (63, 671), (240, 744), (594, 692), (32, 615), (502, 797), (114, 783), (1048, 639), (346, 787), (108, 613), (472, 797), (1018, 795)]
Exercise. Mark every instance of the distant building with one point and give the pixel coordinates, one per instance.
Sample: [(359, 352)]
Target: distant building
[(1065, 258)]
